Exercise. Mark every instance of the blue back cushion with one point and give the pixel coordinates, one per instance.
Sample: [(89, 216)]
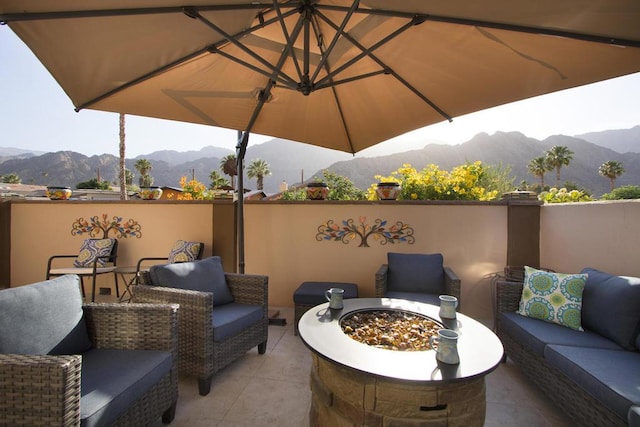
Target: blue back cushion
[(205, 275), (611, 307), (43, 318), (415, 273)]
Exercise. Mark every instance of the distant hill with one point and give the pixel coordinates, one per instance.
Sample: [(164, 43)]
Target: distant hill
[(620, 140), (295, 162), (512, 149)]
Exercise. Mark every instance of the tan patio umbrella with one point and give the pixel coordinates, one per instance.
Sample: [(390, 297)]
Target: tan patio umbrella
[(340, 74)]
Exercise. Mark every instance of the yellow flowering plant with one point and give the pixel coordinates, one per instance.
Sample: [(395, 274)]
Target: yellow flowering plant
[(193, 190), (431, 183)]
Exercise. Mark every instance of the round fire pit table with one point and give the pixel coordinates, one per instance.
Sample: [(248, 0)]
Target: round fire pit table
[(357, 384)]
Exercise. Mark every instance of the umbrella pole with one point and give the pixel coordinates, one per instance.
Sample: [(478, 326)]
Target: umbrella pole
[(241, 149)]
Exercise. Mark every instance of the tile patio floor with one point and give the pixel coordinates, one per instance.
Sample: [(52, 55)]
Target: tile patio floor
[(273, 390)]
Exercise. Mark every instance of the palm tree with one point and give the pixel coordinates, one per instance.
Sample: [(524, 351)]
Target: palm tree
[(611, 169), (122, 169), (143, 166), (258, 169), (229, 166), (217, 180), (538, 167), (557, 157)]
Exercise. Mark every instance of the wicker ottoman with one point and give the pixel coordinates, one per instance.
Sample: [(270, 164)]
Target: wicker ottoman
[(310, 294)]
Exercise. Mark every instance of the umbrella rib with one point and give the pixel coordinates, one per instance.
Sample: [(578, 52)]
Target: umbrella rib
[(193, 13), (335, 39), (618, 41), (287, 36), (141, 79), (364, 51), (386, 69)]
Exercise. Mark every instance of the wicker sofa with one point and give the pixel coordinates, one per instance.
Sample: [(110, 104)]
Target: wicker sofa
[(593, 375), (222, 315), (67, 364)]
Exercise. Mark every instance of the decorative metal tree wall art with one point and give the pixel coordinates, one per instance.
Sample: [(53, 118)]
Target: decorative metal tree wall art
[(115, 226), (399, 232)]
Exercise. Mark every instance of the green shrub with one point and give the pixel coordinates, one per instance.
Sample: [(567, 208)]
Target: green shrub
[(624, 192)]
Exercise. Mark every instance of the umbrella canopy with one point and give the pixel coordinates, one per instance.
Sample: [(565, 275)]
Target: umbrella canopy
[(340, 74)]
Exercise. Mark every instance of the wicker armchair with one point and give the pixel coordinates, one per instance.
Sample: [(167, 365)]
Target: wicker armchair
[(385, 287), (45, 389), (200, 354)]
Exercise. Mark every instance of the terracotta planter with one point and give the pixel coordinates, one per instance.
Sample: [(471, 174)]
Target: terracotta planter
[(317, 191), (388, 190), (59, 193), (150, 193)]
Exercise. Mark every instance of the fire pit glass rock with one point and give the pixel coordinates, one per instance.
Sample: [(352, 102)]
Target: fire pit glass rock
[(390, 329)]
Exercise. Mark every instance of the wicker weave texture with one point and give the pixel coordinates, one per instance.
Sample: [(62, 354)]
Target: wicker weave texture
[(199, 354), (580, 406), (451, 282), (39, 390), (45, 390)]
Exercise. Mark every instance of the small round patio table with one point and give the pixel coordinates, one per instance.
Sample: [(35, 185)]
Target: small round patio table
[(354, 383)]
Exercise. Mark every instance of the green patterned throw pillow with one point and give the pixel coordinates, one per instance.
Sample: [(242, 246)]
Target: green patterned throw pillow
[(183, 251), (553, 297)]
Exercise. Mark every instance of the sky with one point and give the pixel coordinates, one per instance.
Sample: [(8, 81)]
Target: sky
[(36, 114)]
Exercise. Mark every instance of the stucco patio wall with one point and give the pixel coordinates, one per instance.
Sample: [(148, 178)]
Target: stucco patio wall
[(602, 235), (283, 241)]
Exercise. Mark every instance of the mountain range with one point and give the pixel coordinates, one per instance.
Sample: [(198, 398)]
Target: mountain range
[(295, 163)]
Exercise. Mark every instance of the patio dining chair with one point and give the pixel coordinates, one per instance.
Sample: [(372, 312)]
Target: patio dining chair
[(416, 277), (96, 256)]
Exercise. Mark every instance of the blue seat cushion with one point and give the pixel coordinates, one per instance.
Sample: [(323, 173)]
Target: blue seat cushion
[(204, 275), (634, 416), (619, 298), (611, 376), (44, 318), (112, 380), (415, 296), (535, 334), (415, 273), (313, 293), (231, 319)]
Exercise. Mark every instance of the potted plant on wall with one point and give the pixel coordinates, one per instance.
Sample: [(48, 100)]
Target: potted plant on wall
[(388, 190), (317, 190)]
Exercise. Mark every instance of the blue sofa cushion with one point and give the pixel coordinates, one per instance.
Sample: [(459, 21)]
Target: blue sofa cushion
[(43, 318), (611, 376), (619, 298), (634, 416), (231, 319), (415, 273), (415, 296), (535, 334), (205, 275), (112, 380)]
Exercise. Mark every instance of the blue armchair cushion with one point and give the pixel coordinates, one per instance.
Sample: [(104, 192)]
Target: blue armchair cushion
[(92, 250), (611, 307), (611, 376), (113, 379), (415, 273), (231, 319), (205, 275), (184, 251), (43, 318)]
